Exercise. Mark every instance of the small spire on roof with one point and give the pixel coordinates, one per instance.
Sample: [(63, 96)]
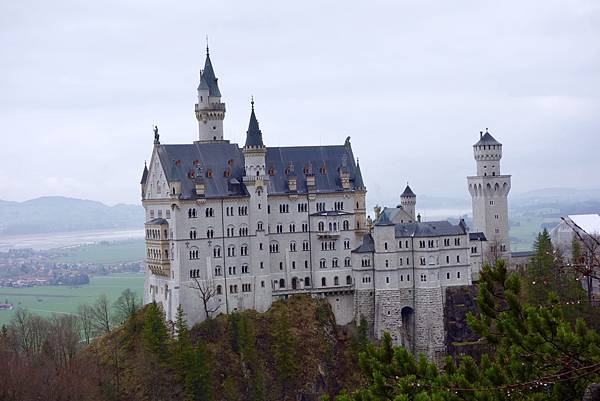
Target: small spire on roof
[(252, 101), (207, 44)]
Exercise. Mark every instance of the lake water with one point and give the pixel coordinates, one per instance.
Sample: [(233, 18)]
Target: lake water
[(66, 239)]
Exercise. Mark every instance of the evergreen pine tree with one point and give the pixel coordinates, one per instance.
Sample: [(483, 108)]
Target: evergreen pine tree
[(155, 334), (198, 381), (538, 355)]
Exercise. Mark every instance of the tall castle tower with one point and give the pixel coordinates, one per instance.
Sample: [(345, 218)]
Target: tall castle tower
[(210, 112), (489, 192)]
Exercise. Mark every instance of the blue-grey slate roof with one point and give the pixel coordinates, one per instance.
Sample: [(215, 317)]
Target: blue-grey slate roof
[(144, 175), (358, 180), (477, 236), (208, 80), (487, 139), (383, 220), (368, 245), (254, 134), (158, 221), (429, 229), (226, 161), (408, 193)]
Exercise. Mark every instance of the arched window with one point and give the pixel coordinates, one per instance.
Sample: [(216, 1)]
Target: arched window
[(217, 251), (210, 233), (323, 281), (219, 290), (281, 283), (348, 280), (346, 225), (321, 226), (193, 233), (306, 282), (336, 280)]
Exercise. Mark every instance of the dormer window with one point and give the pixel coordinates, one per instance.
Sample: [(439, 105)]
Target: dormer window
[(230, 162), (227, 173), (323, 169), (209, 173), (271, 171)]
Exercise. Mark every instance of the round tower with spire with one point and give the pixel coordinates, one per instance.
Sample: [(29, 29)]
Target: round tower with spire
[(408, 201), (210, 112)]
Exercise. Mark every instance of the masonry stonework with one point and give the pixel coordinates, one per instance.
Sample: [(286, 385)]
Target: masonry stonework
[(230, 228)]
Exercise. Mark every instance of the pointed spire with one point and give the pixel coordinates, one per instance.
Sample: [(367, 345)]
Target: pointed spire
[(208, 80), (358, 180), (144, 174), (408, 193), (253, 135)]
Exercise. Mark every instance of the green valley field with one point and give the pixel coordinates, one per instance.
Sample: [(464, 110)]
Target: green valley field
[(46, 300)]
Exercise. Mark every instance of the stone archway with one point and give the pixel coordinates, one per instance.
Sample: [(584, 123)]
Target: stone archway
[(407, 332)]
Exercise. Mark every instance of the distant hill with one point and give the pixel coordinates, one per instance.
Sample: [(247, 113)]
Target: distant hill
[(59, 214)]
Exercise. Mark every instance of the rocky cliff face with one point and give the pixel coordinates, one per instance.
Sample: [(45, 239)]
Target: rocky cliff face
[(460, 339)]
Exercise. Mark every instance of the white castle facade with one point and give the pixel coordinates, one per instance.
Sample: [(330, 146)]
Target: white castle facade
[(230, 228)]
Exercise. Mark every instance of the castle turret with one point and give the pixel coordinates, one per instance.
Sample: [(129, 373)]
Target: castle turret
[(254, 149), (257, 182), (489, 192), (210, 112), (408, 201)]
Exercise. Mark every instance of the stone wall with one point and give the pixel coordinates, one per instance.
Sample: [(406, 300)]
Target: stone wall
[(364, 306), (429, 323), (388, 315)]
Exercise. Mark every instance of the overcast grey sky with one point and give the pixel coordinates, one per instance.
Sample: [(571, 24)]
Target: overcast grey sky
[(412, 82)]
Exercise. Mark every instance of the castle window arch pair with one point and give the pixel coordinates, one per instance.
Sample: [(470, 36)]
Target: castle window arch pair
[(193, 233), (210, 232)]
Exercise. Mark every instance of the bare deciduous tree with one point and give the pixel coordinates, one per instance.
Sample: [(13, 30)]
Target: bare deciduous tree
[(126, 305), (86, 322), (101, 316), (207, 290)]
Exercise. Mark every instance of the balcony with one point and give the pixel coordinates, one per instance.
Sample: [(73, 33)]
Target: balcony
[(325, 234), (337, 289), (159, 267)]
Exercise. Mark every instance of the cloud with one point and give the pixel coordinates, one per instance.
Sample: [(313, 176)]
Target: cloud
[(411, 83)]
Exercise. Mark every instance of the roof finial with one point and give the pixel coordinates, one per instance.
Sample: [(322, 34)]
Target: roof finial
[(480, 134), (252, 102), (207, 44), (486, 131)]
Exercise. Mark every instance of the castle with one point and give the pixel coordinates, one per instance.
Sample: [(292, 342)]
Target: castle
[(230, 228)]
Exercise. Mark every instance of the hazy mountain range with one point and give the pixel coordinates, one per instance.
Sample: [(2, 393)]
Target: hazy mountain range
[(59, 214)]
